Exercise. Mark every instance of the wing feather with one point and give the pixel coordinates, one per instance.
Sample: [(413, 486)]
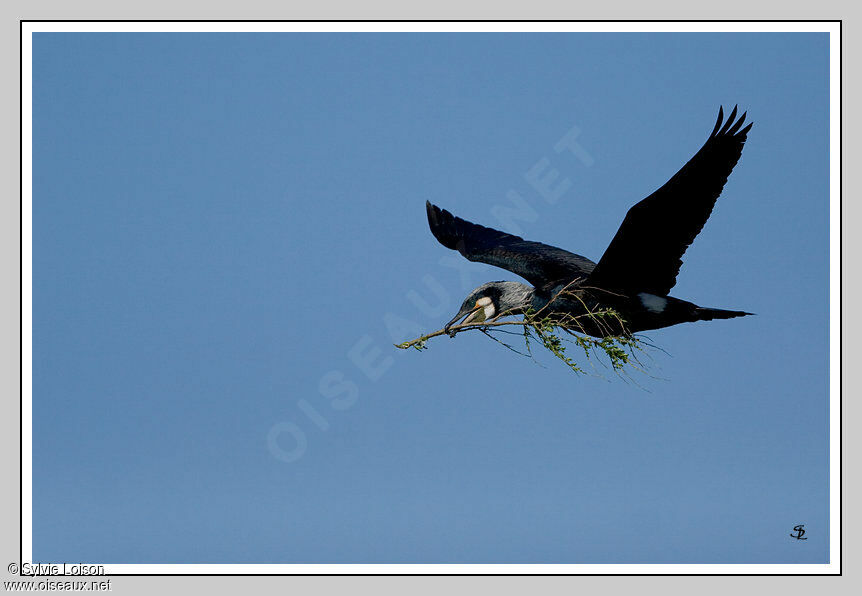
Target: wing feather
[(542, 265), (646, 253)]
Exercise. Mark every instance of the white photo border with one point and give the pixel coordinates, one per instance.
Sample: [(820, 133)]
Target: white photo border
[(833, 28)]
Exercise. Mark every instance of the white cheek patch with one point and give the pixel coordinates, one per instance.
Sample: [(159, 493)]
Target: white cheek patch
[(490, 311), (483, 301), (652, 302)]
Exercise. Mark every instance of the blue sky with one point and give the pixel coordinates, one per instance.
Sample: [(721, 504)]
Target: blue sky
[(229, 233)]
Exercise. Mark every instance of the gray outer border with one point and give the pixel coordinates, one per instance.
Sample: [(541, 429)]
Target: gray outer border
[(13, 11)]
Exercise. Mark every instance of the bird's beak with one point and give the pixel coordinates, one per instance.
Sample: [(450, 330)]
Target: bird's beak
[(470, 315)]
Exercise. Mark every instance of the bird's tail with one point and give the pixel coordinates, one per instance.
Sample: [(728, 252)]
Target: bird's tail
[(708, 314)]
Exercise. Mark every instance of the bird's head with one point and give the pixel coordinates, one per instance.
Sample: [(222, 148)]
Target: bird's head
[(492, 300)]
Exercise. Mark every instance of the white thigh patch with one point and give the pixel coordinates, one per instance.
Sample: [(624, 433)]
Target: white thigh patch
[(652, 302)]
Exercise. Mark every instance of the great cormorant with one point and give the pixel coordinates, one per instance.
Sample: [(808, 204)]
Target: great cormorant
[(637, 270)]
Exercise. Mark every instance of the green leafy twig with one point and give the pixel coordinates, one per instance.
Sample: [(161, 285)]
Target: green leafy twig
[(557, 331)]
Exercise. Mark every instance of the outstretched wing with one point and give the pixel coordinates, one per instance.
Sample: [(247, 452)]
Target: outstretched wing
[(646, 253), (540, 264)]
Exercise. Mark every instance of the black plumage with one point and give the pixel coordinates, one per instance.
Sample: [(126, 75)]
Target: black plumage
[(646, 252), (639, 267), (539, 264)]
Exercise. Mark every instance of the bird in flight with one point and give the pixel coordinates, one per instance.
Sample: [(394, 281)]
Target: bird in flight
[(635, 274)]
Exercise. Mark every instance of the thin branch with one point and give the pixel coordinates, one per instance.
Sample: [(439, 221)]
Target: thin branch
[(615, 342), (488, 332), (452, 331)]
